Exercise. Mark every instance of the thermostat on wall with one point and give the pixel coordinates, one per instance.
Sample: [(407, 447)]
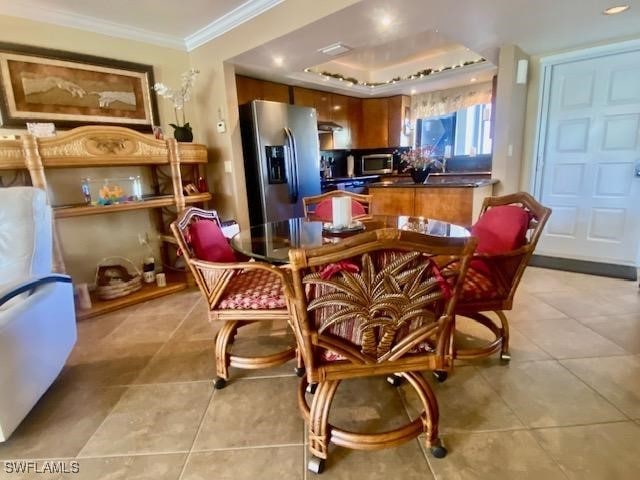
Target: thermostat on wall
[(221, 126)]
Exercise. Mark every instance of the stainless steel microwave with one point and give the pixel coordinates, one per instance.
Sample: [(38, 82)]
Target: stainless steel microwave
[(377, 163)]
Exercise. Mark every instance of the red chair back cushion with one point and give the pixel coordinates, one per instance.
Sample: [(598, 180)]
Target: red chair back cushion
[(324, 209), (501, 229), (209, 243)]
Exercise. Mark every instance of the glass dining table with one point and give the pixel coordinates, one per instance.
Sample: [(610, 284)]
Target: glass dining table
[(271, 242)]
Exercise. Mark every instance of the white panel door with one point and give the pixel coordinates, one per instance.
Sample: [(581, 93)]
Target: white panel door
[(591, 153)]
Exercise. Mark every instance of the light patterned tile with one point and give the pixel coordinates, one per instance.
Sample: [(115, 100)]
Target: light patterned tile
[(152, 419), (249, 413), (181, 362), (179, 303), (283, 463), (196, 325), (615, 378), (471, 334), (495, 455), (145, 328), (467, 403), (624, 330), (581, 304), (107, 365), (568, 338), (545, 394), (594, 452), (529, 308), (61, 422), (406, 462), (367, 405)]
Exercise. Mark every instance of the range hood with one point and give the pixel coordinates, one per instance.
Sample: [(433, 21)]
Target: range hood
[(328, 127)]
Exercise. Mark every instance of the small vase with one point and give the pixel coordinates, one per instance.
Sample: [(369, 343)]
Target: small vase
[(182, 133), (419, 176)]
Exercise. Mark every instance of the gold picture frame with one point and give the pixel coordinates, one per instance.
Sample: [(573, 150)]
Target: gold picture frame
[(70, 90)]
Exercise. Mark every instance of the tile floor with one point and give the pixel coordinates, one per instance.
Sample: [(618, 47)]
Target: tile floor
[(136, 399)]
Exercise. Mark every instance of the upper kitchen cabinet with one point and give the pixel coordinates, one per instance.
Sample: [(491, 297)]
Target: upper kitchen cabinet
[(374, 129), (321, 101), (253, 89), (331, 107), (383, 121)]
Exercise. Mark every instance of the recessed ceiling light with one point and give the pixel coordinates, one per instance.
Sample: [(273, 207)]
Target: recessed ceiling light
[(473, 79), (616, 9), (385, 21), (413, 91), (278, 61)]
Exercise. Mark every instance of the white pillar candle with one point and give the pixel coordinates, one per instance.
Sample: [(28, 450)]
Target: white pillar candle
[(341, 209)]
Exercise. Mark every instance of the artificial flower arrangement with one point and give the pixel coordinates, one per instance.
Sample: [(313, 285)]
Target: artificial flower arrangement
[(420, 158), (179, 97)]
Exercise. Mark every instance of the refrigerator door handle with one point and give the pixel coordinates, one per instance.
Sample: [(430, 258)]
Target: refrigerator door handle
[(294, 189)]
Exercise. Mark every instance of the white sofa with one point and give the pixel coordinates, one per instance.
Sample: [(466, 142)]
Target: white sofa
[(37, 318)]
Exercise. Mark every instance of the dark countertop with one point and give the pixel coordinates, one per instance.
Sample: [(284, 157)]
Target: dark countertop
[(437, 182), (350, 179)]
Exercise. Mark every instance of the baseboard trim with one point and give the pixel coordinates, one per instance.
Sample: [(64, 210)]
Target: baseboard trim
[(582, 266)]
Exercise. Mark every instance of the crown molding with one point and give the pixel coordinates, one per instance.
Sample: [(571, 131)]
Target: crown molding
[(37, 12), (229, 21)]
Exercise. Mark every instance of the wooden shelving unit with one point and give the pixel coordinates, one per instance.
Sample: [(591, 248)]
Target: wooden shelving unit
[(99, 146), (149, 291), (155, 202)]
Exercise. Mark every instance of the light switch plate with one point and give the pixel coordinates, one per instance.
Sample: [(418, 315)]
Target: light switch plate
[(221, 126), (228, 167)]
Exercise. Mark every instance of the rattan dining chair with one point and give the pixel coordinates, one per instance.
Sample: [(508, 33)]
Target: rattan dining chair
[(378, 303), (361, 204), (237, 293), (493, 277)]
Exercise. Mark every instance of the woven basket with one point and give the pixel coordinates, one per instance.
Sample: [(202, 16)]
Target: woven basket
[(114, 280)]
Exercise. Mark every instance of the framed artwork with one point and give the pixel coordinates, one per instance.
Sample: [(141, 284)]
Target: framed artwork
[(70, 90)]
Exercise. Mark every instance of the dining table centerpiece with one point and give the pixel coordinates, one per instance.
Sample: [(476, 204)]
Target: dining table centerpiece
[(180, 96), (420, 162)]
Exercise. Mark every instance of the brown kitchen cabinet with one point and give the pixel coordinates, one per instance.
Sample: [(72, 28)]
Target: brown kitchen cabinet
[(459, 205), (248, 89), (392, 201), (383, 122), (332, 107), (374, 129)]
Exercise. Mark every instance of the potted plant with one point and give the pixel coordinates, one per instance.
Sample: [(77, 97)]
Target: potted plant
[(179, 97), (420, 163)]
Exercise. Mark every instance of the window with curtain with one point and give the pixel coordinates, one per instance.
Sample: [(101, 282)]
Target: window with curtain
[(454, 122)]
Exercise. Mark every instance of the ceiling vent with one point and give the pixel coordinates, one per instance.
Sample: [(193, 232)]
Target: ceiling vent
[(335, 49)]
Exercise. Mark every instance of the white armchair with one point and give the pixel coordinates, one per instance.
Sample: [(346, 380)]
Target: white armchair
[(37, 318)]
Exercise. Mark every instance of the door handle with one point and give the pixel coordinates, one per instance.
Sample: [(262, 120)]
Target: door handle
[(294, 190), (637, 169)]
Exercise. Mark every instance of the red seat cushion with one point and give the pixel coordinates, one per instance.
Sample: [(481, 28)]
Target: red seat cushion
[(253, 290), (501, 229), (324, 209), (478, 285), (209, 243)]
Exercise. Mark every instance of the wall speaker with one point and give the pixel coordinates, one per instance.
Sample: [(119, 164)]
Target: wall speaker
[(521, 71)]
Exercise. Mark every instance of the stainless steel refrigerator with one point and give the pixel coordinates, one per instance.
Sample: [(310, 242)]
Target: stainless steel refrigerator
[(281, 157)]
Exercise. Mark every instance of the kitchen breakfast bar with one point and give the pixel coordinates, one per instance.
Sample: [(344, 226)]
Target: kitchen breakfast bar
[(450, 198)]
